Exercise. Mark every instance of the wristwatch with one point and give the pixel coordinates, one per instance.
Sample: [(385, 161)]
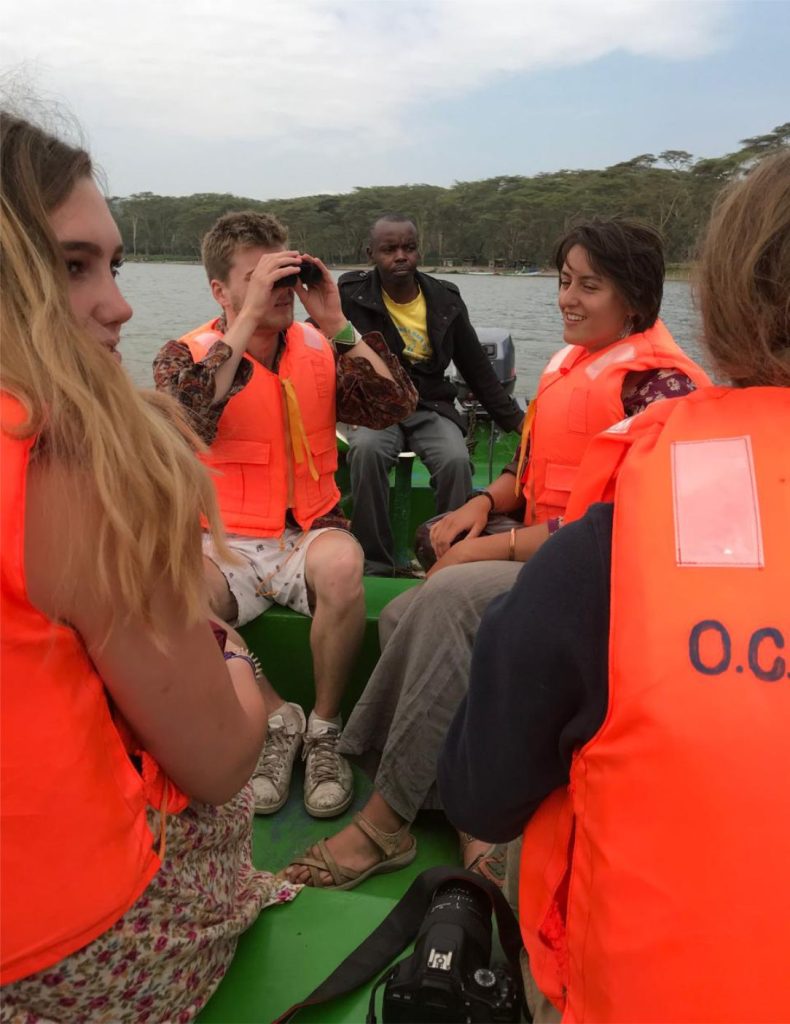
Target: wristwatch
[(348, 336), (485, 494)]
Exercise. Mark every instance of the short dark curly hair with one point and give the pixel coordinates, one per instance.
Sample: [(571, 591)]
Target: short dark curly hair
[(629, 254), (243, 229)]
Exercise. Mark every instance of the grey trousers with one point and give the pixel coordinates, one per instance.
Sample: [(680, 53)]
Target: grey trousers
[(399, 724), (372, 453)]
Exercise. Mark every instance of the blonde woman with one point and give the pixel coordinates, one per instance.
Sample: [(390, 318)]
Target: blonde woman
[(127, 738)]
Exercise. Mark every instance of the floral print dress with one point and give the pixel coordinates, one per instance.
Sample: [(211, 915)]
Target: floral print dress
[(164, 958)]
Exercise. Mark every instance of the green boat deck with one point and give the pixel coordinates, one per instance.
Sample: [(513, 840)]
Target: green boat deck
[(290, 949)]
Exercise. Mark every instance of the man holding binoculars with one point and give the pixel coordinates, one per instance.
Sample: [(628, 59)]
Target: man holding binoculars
[(264, 392)]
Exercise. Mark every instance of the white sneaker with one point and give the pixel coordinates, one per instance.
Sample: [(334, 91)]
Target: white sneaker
[(328, 779), (271, 779)]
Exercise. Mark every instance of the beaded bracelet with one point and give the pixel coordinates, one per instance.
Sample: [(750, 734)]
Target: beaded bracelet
[(251, 659)]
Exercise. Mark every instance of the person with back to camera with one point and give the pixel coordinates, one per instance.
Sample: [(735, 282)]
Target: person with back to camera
[(264, 392), (426, 325), (127, 739), (636, 681), (619, 358)]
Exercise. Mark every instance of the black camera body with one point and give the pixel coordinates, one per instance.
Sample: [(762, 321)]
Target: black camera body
[(448, 977), (309, 274)]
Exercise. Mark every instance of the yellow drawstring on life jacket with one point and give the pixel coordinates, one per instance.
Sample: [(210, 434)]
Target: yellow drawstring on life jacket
[(299, 442), (526, 430)]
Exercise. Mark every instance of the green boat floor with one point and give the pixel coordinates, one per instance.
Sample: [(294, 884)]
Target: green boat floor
[(290, 949), (288, 952)]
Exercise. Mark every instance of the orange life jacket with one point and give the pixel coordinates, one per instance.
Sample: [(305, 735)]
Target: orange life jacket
[(656, 887), (276, 445), (76, 848), (580, 394)]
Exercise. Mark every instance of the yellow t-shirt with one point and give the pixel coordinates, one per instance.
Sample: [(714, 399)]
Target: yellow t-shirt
[(411, 320)]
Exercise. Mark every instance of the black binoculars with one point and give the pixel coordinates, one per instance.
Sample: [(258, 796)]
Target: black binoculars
[(309, 274)]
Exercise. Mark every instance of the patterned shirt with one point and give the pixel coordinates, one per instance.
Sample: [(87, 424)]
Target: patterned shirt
[(364, 397)]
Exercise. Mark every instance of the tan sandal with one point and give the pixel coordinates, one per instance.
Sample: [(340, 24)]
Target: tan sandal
[(348, 878), (490, 863)]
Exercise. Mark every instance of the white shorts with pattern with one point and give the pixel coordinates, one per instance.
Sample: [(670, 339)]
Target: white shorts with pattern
[(270, 570)]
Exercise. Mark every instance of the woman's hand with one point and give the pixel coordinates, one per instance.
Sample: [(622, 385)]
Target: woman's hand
[(463, 551), (471, 517), (322, 301)]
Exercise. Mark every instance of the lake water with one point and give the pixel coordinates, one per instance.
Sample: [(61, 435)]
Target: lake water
[(170, 299)]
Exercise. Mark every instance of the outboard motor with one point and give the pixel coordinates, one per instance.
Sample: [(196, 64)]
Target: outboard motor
[(498, 346)]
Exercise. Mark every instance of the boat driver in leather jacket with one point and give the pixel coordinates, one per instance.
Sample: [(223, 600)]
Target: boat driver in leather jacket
[(426, 325)]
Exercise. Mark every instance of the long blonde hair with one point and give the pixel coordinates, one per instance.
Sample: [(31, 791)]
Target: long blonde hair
[(134, 447), (743, 277)]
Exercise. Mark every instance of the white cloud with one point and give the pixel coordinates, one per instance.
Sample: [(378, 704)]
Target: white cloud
[(263, 69)]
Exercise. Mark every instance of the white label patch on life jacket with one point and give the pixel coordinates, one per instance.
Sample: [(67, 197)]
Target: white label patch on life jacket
[(206, 340), (611, 356), (717, 512), (312, 338), (558, 359)]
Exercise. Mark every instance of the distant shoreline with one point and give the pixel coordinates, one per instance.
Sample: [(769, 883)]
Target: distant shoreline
[(674, 272)]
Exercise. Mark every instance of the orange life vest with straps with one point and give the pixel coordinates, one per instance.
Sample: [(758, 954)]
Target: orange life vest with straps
[(76, 849), (276, 445), (580, 394), (656, 887)]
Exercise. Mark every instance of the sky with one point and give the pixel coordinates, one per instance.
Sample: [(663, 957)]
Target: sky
[(270, 99)]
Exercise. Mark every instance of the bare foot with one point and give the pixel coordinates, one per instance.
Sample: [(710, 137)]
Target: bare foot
[(472, 848), (487, 859), (351, 849)]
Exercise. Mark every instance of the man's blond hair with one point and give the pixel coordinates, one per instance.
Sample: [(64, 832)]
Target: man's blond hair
[(245, 229)]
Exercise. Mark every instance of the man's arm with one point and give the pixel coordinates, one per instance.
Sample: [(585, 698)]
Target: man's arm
[(193, 384), (322, 302), (367, 398), (538, 688), (475, 368)]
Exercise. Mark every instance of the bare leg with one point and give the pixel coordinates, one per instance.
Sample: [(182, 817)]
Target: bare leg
[(223, 608), (333, 573), (222, 602), (351, 847)]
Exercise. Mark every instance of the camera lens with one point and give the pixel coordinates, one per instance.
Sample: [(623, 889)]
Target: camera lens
[(457, 904)]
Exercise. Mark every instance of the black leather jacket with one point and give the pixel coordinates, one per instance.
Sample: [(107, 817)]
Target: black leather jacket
[(451, 335)]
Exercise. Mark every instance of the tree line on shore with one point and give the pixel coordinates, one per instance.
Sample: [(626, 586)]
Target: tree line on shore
[(509, 221)]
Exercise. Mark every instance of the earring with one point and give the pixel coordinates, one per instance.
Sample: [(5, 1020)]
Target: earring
[(628, 328)]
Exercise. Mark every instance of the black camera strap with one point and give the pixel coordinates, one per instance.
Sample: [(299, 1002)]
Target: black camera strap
[(400, 927)]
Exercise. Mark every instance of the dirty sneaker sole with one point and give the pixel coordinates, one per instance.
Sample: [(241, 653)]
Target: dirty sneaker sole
[(329, 812)]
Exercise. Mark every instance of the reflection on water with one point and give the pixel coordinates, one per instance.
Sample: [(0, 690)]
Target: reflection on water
[(170, 299)]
